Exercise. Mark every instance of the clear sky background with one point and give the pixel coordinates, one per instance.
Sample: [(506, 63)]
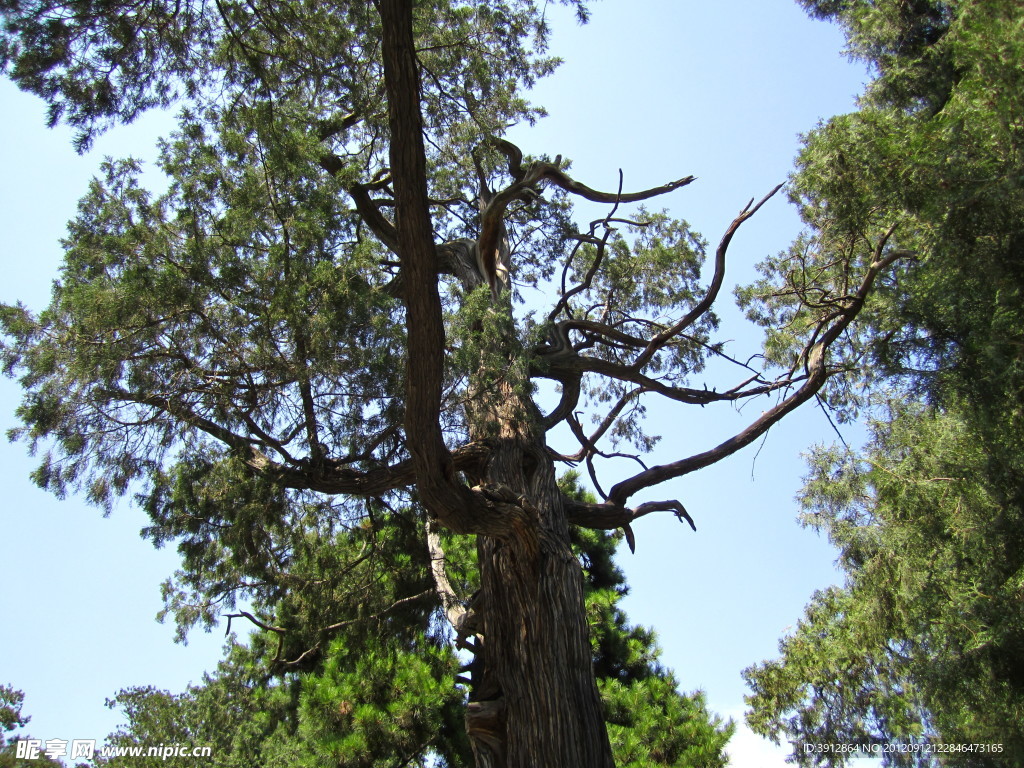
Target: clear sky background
[(659, 88)]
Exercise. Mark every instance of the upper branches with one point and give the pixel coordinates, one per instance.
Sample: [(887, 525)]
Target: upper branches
[(609, 340), (526, 181), (806, 377), (256, 306)]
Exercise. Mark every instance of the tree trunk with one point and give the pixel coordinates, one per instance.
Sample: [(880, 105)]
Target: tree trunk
[(534, 701)]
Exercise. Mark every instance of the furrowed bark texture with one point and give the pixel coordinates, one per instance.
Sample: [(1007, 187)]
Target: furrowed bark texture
[(534, 702), (441, 494)]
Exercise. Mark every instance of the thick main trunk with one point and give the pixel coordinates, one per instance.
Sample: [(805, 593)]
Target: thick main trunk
[(534, 701)]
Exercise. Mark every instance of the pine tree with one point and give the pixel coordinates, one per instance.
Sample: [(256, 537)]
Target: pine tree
[(317, 325), (379, 698), (923, 643)]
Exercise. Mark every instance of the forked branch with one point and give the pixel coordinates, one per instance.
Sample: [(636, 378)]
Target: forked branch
[(704, 305), (817, 373), (527, 179)]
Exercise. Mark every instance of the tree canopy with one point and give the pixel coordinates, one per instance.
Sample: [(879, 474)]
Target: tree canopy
[(11, 719), (386, 695), (923, 643), (317, 331)]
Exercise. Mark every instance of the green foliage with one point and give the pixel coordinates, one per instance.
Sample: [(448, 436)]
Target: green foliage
[(242, 286), (373, 707), (221, 312), (233, 352), (109, 63), (924, 639), (11, 719), (378, 707), (249, 293), (904, 41), (382, 689), (10, 711), (938, 160), (296, 559), (352, 667)]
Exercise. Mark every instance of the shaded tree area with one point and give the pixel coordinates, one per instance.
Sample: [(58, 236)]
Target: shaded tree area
[(386, 695), (924, 642), (311, 363), (12, 719)]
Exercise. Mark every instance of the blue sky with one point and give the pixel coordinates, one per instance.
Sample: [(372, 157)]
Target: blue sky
[(658, 88)]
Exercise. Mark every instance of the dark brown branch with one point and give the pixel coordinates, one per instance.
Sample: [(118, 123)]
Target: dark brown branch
[(660, 474), (328, 129), (179, 411), (440, 491), (705, 304), (817, 375), (568, 293), (369, 210), (254, 620), (562, 367), (572, 387), (588, 278), (492, 248), (332, 477), (613, 414), (549, 172), (300, 658), (609, 516), (513, 154), (589, 444)]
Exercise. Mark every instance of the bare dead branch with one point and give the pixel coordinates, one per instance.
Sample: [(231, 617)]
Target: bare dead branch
[(608, 516), (548, 172), (453, 608), (300, 658), (817, 375), (562, 367), (349, 622), (705, 304)]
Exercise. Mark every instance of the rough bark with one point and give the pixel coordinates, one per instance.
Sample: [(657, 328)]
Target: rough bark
[(534, 700)]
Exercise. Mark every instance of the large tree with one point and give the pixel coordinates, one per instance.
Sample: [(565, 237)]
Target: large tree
[(316, 324), (925, 639), (383, 692)]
